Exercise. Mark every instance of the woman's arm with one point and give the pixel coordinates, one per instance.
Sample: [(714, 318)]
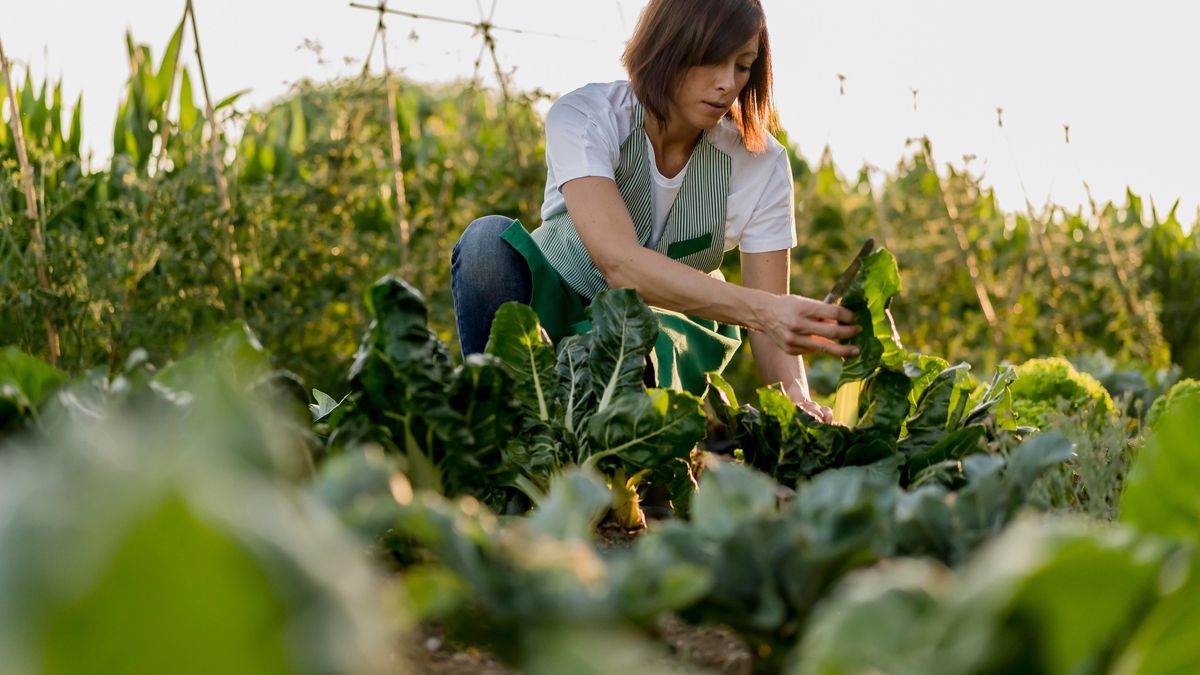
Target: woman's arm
[(769, 272), (796, 324)]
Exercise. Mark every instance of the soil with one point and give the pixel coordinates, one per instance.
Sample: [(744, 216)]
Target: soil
[(716, 650), (431, 654), (613, 536), (706, 650)]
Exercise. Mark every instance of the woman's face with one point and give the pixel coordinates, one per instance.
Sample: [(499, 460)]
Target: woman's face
[(706, 93)]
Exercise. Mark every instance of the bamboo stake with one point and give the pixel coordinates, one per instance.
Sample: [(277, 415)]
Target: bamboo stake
[(166, 113), (964, 245), (31, 210), (490, 41), (215, 154), (402, 232)]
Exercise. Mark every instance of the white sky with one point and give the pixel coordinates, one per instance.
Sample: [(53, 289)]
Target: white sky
[(1119, 73)]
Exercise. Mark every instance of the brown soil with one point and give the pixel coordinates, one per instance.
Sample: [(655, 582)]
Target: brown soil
[(613, 536), (714, 649), (708, 650), (432, 655)]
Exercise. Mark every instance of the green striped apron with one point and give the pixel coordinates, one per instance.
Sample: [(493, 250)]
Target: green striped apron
[(565, 278)]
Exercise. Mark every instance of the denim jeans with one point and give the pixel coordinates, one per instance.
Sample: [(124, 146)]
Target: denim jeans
[(485, 272)]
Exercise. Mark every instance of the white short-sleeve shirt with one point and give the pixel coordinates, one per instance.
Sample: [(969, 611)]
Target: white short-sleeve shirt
[(584, 132)]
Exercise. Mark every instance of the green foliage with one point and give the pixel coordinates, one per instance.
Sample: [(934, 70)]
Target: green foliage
[(911, 407), (140, 541), (1157, 496), (454, 429), (139, 257), (591, 407), (1043, 385), (181, 477), (1027, 605), (520, 588), (1092, 482), (773, 563), (869, 297), (25, 384), (1171, 269), (1175, 398)]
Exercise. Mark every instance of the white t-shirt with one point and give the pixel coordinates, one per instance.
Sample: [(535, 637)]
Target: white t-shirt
[(584, 131), (662, 191)]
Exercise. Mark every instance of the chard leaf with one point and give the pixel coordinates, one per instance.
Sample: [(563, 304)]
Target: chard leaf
[(922, 369), (995, 399), (777, 439), (25, 383), (1033, 457), (478, 461), (647, 430), (933, 430), (575, 381), (623, 333), (576, 502), (869, 295), (731, 495), (399, 388), (720, 391), (518, 340), (401, 328), (925, 523), (941, 405), (727, 424), (946, 448), (885, 401)]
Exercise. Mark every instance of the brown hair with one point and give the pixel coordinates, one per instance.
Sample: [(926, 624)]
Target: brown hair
[(674, 35)]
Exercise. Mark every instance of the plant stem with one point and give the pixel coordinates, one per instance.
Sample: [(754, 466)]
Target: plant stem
[(215, 154), (31, 210)]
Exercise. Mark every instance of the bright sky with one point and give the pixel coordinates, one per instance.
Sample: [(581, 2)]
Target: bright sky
[(1119, 73)]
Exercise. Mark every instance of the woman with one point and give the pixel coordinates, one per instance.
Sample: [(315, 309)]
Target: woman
[(649, 182)]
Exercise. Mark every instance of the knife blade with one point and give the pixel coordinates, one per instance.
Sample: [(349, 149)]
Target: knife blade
[(847, 277)]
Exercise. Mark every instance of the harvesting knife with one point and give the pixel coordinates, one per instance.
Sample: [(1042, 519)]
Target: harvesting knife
[(847, 277)]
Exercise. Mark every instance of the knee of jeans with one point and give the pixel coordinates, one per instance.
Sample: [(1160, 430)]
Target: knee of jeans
[(482, 236)]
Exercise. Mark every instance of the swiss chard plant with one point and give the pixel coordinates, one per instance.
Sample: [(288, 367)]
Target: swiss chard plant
[(515, 416), (453, 429), (891, 403), (586, 403)]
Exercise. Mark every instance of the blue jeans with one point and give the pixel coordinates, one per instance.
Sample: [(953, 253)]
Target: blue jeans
[(485, 272)]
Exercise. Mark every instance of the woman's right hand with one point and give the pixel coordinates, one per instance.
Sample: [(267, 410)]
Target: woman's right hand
[(801, 325)]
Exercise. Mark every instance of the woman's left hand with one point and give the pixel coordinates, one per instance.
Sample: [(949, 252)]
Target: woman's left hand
[(798, 392), (820, 412)]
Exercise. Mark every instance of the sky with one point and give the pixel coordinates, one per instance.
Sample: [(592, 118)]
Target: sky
[(1118, 73)]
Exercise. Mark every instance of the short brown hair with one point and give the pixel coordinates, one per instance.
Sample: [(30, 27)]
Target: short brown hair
[(674, 35)]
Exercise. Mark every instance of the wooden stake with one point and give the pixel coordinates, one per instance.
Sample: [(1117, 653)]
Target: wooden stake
[(402, 232), (215, 154), (490, 41), (31, 209)]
